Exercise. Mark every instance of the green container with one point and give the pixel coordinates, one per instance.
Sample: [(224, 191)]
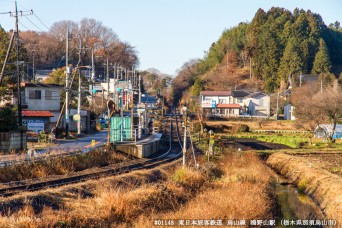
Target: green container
[(118, 125)]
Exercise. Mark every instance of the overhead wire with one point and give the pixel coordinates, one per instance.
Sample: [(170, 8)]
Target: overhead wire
[(23, 25), (34, 24), (38, 19), (41, 21)]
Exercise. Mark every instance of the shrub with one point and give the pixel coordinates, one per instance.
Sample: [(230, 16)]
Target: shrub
[(302, 185), (8, 120), (240, 128), (189, 179)]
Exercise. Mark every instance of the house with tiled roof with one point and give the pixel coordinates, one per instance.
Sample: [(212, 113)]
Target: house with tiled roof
[(40, 105), (219, 102), (235, 103)]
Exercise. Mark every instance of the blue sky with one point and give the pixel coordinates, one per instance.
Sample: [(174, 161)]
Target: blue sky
[(166, 33)]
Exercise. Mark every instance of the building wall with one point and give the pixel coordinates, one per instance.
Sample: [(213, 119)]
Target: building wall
[(49, 99), (258, 107), (288, 112), (36, 124)]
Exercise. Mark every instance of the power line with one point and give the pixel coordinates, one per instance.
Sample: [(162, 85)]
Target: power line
[(23, 25), (41, 21), (34, 24)]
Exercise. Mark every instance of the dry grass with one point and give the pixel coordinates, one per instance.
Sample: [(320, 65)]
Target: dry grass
[(133, 200), (241, 193), (58, 166), (323, 186)]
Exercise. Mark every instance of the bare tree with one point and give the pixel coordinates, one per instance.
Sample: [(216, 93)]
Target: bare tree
[(314, 107)]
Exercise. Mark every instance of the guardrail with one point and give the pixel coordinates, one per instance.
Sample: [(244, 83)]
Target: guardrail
[(235, 116), (281, 131), (35, 154)]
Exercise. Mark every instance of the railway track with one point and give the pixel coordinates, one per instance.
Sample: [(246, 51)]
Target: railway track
[(173, 153)]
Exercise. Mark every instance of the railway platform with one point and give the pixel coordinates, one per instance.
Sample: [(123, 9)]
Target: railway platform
[(141, 148)]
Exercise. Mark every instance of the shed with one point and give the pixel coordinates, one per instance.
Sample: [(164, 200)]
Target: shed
[(36, 120)]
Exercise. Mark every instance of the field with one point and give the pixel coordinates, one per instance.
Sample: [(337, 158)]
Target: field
[(331, 162)]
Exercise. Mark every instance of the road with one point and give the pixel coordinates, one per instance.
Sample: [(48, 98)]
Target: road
[(62, 146), (84, 142)]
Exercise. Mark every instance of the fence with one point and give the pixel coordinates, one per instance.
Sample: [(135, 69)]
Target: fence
[(118, 135), (235, 116)]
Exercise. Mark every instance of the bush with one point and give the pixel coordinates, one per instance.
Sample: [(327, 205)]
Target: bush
[(190, 179), (240, 128), (302, 185), (8, 120)]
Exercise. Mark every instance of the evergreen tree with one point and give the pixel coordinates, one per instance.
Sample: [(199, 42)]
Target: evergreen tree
[(322, 62), (292, 60)]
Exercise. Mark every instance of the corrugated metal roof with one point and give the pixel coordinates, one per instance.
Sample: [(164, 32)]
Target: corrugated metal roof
[(216, 93), (30, 113), (228, 106)]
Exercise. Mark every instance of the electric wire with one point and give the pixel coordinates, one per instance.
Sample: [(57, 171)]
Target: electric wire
[(41, 21), (34, 24)]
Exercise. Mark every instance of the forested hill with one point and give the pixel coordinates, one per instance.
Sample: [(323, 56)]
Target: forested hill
[(273, 45)]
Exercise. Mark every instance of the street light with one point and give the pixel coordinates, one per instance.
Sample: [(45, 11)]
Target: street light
[(183, 112)]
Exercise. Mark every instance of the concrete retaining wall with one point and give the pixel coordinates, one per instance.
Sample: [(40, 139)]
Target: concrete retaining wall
[(11, 140)]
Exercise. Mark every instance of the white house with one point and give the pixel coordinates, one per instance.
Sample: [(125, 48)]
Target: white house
[(219, 102), (258, 104), (40, 105)]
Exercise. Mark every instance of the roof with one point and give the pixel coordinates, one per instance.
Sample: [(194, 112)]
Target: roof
[(228, 106), (30, 113), (239, 93), (216, 93), (42, 85), (43, 72), (256, 95)]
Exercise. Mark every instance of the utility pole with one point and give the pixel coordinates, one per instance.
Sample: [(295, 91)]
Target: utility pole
[(92, 78), (277, 105), (20, 118), (139, 87), (6, 58), (15, 36), (108, 81), (184, 110), (68, 72)]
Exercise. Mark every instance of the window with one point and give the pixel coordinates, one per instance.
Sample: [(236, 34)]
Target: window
[(222, 101), (48, 95), (35, 94)]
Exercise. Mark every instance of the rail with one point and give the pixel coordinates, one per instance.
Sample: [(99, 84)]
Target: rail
[(115, 169)]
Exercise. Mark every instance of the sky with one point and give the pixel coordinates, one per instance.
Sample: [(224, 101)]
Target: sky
[(165, 33)]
